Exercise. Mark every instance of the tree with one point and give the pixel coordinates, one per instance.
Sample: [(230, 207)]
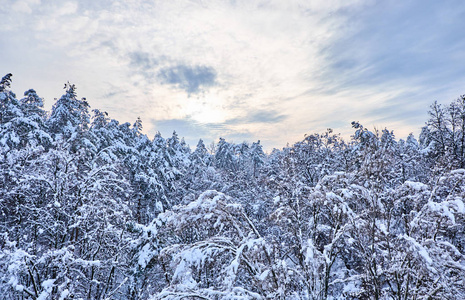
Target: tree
[(225, 156), (69, 118), (257, 156)]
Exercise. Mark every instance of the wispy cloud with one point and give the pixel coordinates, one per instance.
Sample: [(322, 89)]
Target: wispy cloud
[(259, 116), (191, 79), (142, 60)]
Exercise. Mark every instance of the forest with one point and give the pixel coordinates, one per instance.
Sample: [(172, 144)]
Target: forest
[(92, 208)]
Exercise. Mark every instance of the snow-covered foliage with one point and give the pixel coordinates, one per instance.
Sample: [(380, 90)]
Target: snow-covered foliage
[(94, 209)]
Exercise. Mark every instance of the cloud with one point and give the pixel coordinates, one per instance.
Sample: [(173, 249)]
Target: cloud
[(260, 116), (271, 70), (192, 79), (248, 55), (185, 127), (142, 60), (413, 43), (21, 7), (190, 129), (112, 91), (68, 8)]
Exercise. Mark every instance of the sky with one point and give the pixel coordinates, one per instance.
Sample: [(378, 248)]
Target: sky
[(244, 70)]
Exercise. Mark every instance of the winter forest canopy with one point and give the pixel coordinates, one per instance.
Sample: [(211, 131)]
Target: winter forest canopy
[(94, 209)]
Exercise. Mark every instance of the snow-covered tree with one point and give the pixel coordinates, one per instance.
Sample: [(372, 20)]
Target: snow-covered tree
[(94, 209)]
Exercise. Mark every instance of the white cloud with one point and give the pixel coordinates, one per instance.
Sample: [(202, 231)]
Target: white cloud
[(67, 8), (24, 6), (21, 7)]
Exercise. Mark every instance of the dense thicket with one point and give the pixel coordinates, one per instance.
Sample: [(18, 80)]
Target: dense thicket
[(94, 209)]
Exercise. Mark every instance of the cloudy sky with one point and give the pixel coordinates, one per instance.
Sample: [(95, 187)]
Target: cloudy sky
[(241, 69)]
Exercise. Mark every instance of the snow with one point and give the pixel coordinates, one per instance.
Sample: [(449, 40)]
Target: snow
[(276, 200), (333, 196), (459, 205), (458, 171), (428, 150), (346, 193), (183, 274), (13, 281), (417, 186), (64, 295), (194, 256), (442, 208), (418, 247), (48, 286), (263, 275), (87, 263), (380, 224), (350, 288), (309, 251)]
